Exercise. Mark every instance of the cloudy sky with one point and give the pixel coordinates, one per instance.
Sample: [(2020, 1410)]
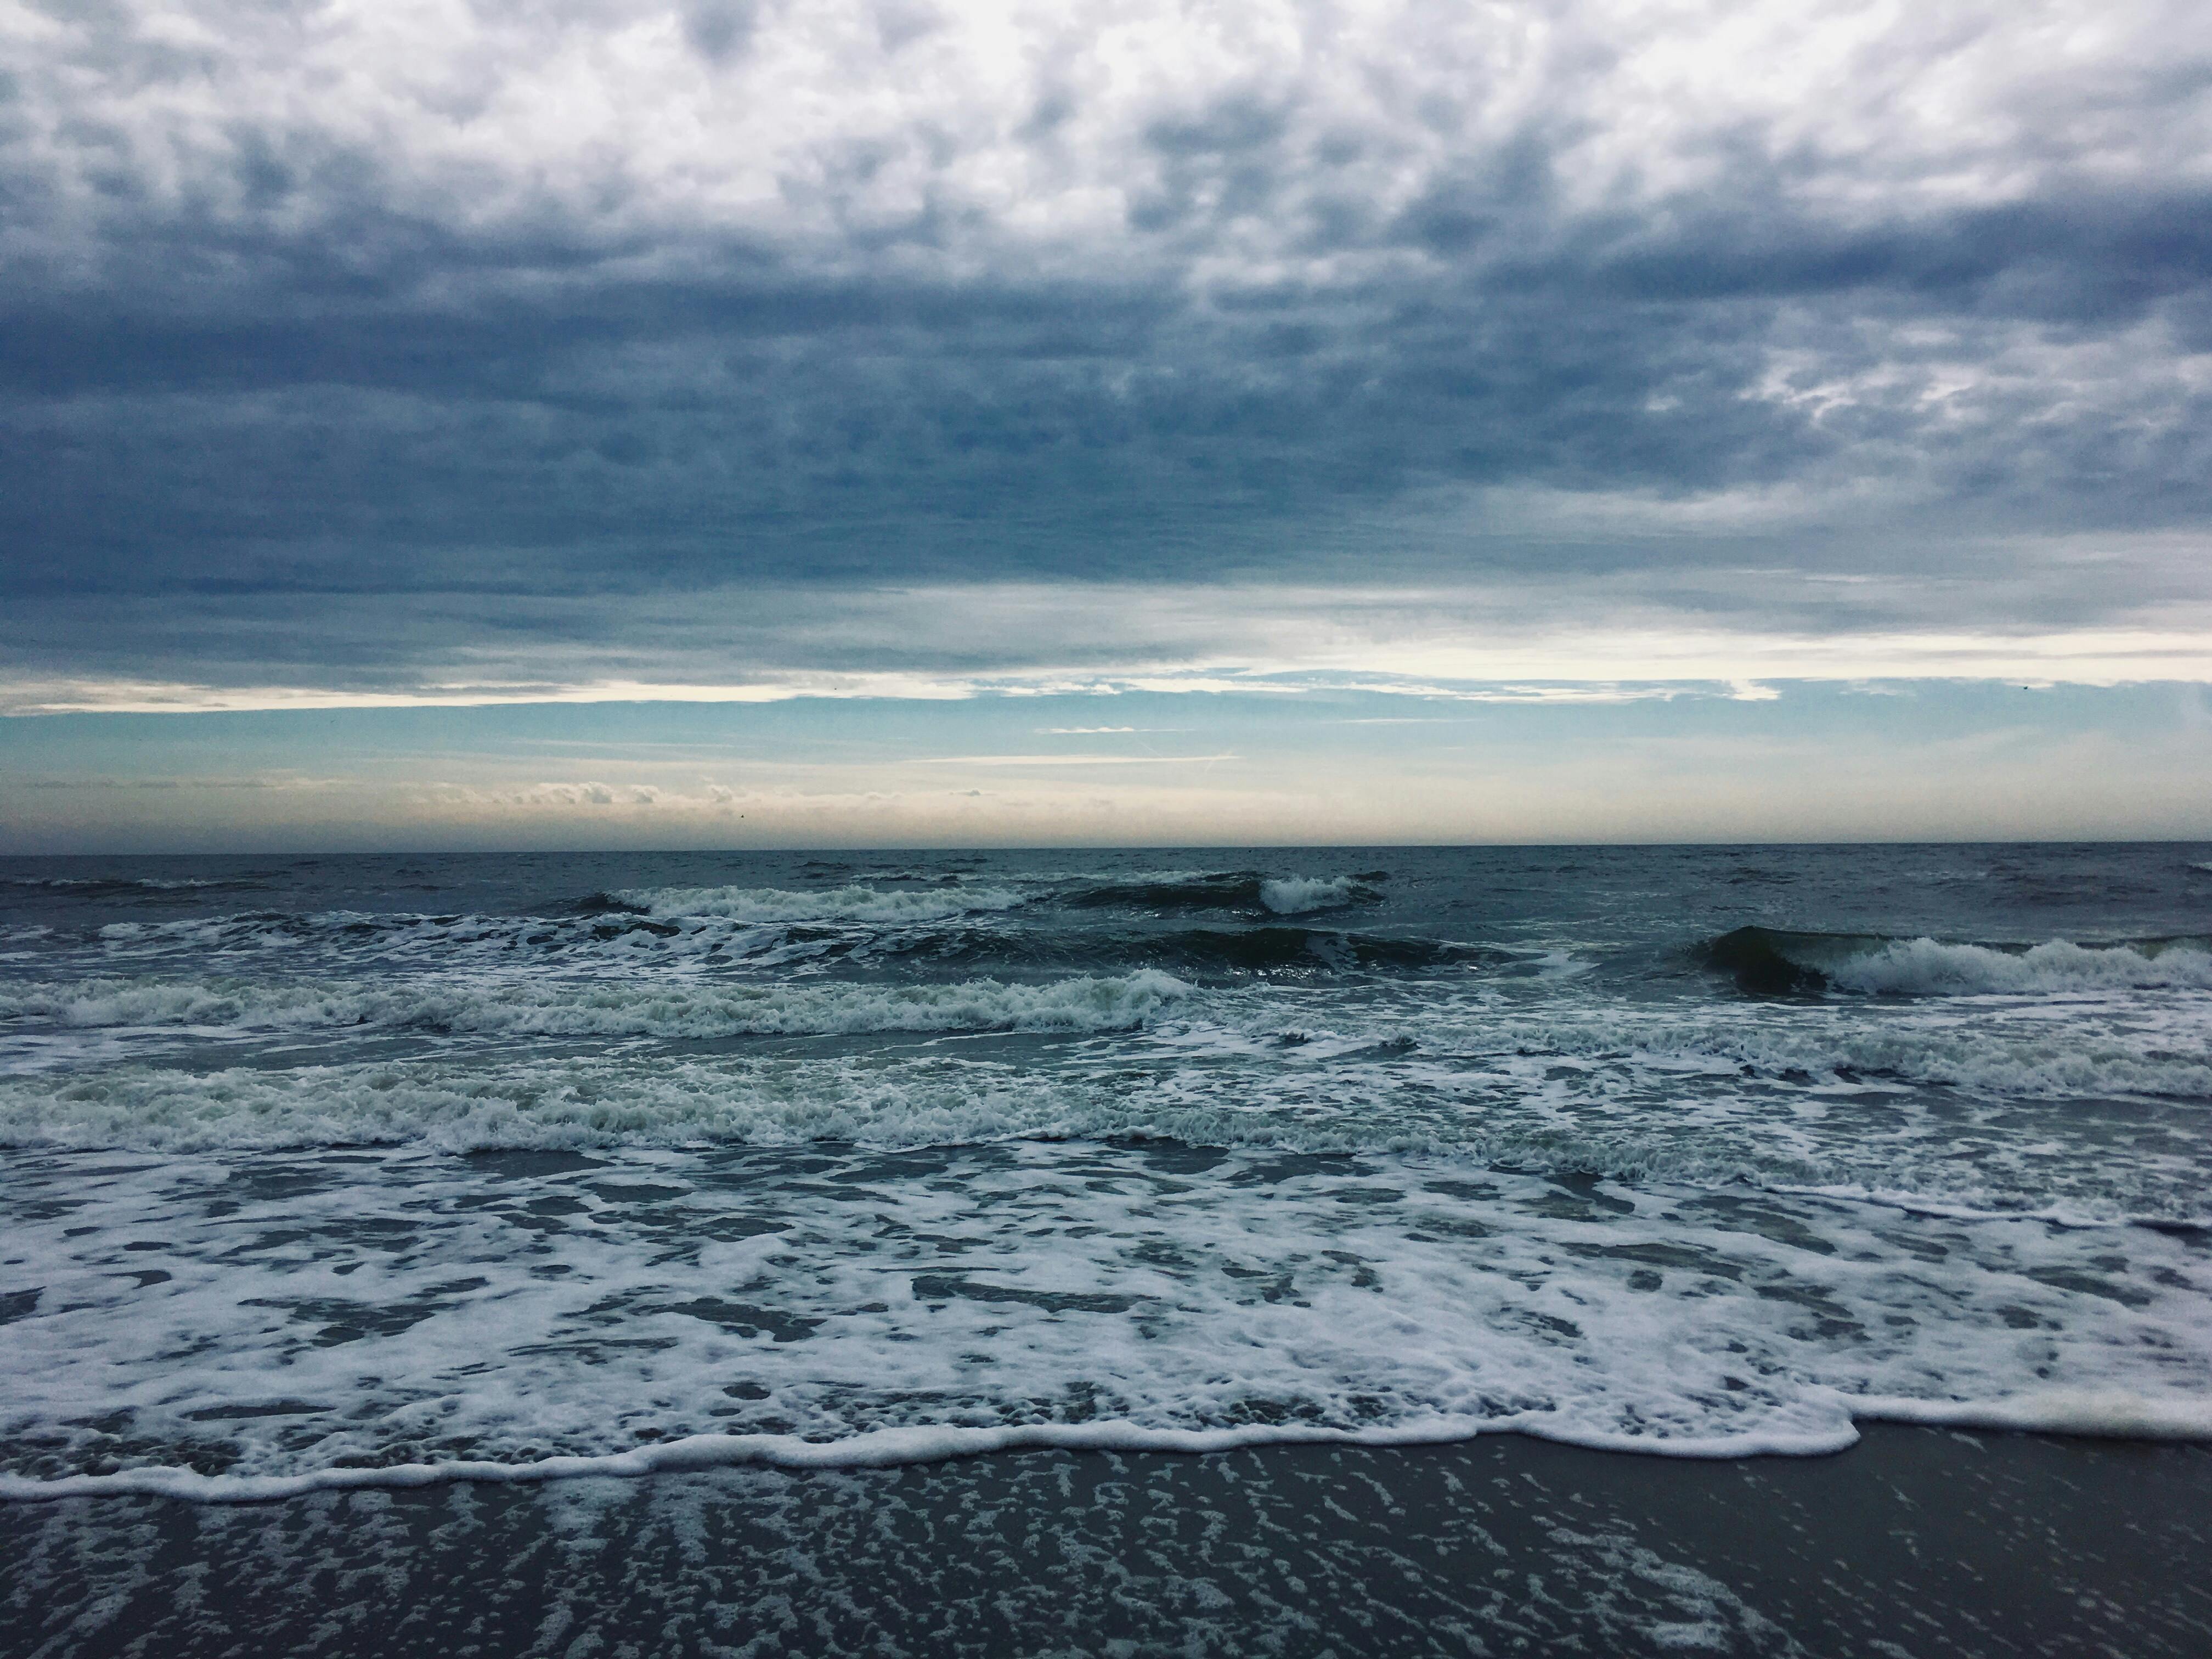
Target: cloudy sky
[(600, 422)]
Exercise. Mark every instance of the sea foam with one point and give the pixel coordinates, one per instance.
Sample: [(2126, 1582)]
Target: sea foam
[(676, 1309)]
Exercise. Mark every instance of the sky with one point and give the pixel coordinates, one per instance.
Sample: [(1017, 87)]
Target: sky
[(579, 423)]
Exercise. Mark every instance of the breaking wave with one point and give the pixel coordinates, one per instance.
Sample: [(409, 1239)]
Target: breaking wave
[(689, 1008), (1770, 962), (127, 886), (1295, 894)]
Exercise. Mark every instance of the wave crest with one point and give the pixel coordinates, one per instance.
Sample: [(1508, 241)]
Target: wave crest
[(101, 887), (1772, 961), (1295, 894)]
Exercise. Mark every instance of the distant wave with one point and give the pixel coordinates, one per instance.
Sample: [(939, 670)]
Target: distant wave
[(1772, 961), (700, 920), (850, 904), (1297, 948), (1284, 949), (1248, 890), (689, 1008), (398, 933), (619, 933), (117, 886)]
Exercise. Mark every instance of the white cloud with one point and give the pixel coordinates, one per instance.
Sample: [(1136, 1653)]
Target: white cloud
[(1071, 760), (1033, 133), (1520, 643)]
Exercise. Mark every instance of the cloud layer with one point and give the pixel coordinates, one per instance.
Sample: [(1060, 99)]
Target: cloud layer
[(357, 344)]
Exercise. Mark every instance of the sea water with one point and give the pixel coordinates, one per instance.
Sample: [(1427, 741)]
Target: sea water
[(332, 1171)]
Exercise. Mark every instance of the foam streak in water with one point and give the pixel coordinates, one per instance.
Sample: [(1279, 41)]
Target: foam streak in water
[(605, 1007), (896, 905)]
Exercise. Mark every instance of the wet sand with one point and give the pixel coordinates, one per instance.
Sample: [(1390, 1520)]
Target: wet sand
[(1916, 1542)]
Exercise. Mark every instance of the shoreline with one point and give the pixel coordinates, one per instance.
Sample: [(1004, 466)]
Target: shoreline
[(1917, 1540), (2063, 1415)]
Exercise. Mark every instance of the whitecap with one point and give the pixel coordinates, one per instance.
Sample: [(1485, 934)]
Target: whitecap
[(1927, 966), (1296, 894)]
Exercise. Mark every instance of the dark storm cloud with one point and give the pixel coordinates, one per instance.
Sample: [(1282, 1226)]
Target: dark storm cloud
[(282, 341)]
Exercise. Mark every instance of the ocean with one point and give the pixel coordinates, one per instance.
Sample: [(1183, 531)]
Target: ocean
[(328, 1179)]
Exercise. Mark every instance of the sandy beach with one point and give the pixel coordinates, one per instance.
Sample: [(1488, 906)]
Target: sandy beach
[(1917, 1542)]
